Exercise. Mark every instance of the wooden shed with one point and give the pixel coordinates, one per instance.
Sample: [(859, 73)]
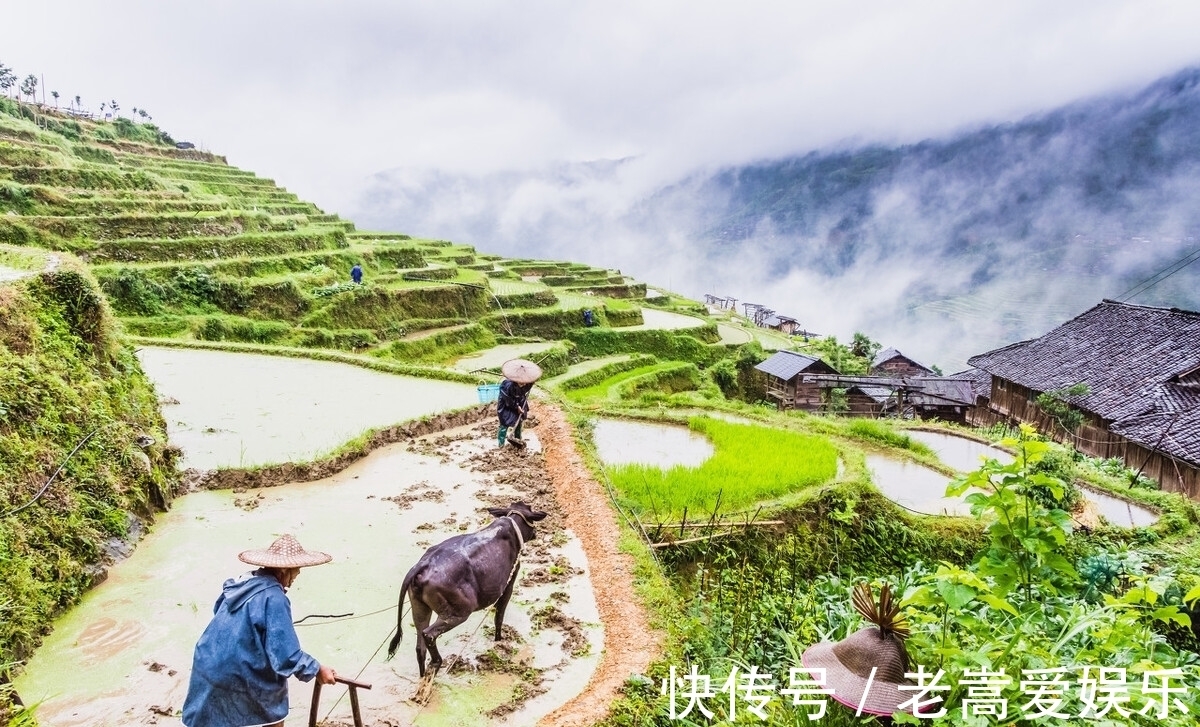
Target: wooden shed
[(1141, 367), (891, 362), (783, 371)]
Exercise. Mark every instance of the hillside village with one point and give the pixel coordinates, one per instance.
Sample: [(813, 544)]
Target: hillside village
[(113, 236)]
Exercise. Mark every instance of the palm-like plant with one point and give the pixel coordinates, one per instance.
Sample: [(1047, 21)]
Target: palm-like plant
[(7, 78), (113, 105), (78, 103), (29, 87), (54, 95)]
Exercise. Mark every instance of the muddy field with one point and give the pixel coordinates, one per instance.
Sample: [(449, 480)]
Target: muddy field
[(572, 633)]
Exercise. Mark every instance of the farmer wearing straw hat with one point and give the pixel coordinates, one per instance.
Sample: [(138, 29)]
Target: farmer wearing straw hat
[(513, 405), (249, 649), (866, 670)]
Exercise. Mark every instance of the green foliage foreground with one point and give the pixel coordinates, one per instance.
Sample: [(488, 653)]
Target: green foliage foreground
[(750, 464), (1041, 626)]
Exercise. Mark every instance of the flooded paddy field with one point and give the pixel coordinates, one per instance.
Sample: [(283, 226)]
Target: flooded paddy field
[(965, 454), (124, 655), (243, 410), (620, 441)]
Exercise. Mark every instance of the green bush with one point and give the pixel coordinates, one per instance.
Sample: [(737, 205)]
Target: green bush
[(346, 339), (156, 327), (230, 328), (666, 345), (441, 347), (596, 376)]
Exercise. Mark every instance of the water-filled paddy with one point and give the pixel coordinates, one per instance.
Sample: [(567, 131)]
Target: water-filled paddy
[(494, 358), (749, 464), (961, 453), (124, 655), (965, 455), (1120, 512), (653, 318), (620, 441), (242, 410), (914, 486)]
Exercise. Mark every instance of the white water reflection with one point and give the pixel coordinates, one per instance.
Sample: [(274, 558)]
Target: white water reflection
[(658, 445), (1120, 512), (966, 455), (243, 410), (914, 486), (961, 453)]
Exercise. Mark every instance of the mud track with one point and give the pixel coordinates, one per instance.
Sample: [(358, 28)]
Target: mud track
[(629, 642)]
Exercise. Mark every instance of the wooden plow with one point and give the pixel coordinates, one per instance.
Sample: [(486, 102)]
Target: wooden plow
[(354, 687)]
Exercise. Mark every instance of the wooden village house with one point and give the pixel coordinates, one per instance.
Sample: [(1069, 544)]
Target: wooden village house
[(784, 371), (783, 324), (1141, 367), (891, 362)]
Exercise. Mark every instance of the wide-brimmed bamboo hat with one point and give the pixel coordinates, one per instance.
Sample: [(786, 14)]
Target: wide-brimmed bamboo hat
[(285, 552), (848, 663), (521, 371)]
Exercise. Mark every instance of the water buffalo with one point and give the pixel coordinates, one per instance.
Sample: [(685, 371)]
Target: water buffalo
[(464, 574)]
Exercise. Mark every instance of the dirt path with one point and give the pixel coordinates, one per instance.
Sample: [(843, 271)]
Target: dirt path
[(629, 642)]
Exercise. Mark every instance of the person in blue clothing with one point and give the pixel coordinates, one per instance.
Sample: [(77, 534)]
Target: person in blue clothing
[(249, 650), (356, 273), (512, 407)]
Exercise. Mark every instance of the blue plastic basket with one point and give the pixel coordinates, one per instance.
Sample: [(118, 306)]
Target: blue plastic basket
[(488, 392)]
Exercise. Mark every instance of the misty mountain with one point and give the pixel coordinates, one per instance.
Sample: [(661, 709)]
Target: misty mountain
[(942, 248)]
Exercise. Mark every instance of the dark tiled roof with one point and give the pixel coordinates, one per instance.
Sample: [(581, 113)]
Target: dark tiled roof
[(1172, 427), (772, 321), (941, 391), (786, 364), (981, 381), (886, 354), (890, 353), (879, 394), (1125, 355)]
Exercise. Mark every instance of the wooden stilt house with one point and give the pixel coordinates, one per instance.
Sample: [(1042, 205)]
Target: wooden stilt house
[(784, 370), (1141, 369)]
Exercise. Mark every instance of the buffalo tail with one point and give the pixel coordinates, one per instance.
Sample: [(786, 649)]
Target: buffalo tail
[(400, 615)]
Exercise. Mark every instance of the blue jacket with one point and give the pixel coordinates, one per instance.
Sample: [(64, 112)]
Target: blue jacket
[(245, 656)]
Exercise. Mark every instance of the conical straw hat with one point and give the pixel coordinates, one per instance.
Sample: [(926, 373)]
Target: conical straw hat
[(849, 663), (521, 371), (285, 552)]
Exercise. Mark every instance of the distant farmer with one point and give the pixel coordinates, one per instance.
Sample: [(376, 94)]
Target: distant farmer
[(249, 649), (513, 405), (356, 273)]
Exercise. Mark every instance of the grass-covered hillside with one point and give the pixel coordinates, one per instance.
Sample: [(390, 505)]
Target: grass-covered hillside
[(83, 453), (188, 248)]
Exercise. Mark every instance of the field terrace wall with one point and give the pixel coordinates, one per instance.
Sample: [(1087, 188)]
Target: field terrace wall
[(1143, 399)]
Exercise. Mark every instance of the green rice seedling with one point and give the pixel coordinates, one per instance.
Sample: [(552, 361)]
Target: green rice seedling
[(750, 464)]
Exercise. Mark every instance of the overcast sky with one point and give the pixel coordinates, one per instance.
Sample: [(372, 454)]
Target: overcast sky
[(320, 95)]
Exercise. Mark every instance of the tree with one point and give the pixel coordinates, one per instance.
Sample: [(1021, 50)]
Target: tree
[(78, 103), (29, 86), (7, 78), (103, 106), (864, 347), (113, 105), (1056, 403), (54, 95), (143, 114)]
